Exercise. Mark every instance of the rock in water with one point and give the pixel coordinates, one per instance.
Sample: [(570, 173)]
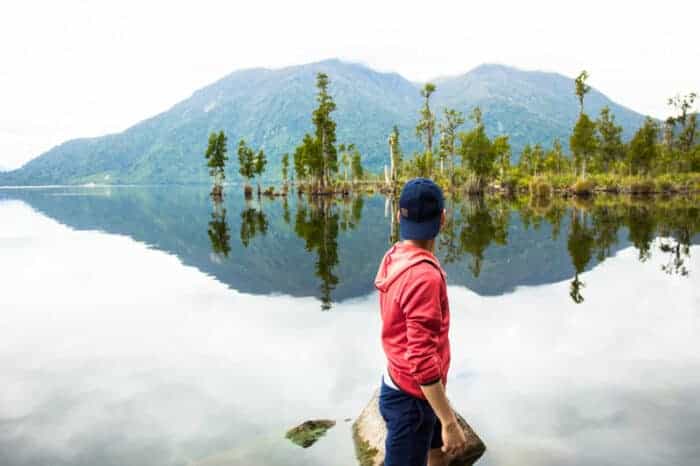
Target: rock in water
[(306, 433), (369, 434)]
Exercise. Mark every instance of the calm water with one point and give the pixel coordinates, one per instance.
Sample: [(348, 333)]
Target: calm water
[(145, 326)]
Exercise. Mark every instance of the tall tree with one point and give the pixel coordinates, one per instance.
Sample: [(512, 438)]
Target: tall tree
[(395, 155), (426, 125), (246, 161), (356, 166), (325, 129), (285, 168), (501, 149), (683, 126), (345, 154), (642, 148), (581, 88), (537, 159), (452, 119), (300, 164), (583, 142), (260, 164), (610, 147), (526, 163), (476, 150), (216, 155), (555, 160)]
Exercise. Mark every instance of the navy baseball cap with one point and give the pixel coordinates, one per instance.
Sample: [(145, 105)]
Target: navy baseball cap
[(421, 204)]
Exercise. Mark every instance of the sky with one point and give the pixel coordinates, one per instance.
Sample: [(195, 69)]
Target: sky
[(79, 68)]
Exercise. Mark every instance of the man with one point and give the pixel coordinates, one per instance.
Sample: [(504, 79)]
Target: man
[(422, 428)]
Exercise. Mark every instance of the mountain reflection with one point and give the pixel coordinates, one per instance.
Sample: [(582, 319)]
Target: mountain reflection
[(329, 248)]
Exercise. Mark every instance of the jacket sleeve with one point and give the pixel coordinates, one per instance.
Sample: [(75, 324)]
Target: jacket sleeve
[(420, 304)]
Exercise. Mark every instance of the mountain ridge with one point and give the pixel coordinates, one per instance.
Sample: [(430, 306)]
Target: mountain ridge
[(271, 109)]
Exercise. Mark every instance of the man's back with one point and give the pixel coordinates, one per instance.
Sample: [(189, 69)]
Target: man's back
[(415, 317)]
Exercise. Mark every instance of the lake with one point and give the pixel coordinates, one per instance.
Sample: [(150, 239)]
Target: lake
[(147, 326)]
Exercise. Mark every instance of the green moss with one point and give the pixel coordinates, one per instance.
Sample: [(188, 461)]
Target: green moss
[(363, 451), (308, 432)]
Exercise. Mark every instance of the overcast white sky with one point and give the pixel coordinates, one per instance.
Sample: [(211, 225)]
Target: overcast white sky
[(75, 68)]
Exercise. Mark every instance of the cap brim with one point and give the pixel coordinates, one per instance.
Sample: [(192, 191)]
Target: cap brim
[(420, 231)]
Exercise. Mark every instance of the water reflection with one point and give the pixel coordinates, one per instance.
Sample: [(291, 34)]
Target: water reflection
[(218, 231), (253, 223), (328, 248)]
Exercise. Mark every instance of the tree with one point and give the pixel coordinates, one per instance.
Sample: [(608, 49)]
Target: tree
[(555, 160), (452, 120), (581, 88), (356, 166), (325, 129), (610, 147), (583, 142), (501, 149), (285, 168), (345, 157), (426, 124), (686, 121), (537, 159), (642, 147), (300, 164), (526, 163), (477, 151), (260, 164), (216, 155), (246, 161), (395, 155)]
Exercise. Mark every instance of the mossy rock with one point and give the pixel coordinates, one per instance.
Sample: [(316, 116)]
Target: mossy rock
[(369, 434), (308, 432)]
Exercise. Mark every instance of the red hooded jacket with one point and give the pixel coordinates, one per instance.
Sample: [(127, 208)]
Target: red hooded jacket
[(415, 317)]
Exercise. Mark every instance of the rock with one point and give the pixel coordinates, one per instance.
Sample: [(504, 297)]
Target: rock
[(306, 433), (369, 434)]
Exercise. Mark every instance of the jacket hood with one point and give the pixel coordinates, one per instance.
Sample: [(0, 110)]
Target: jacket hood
[(400, 258)]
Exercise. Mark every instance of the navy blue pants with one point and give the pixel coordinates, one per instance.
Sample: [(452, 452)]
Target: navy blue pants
[(413, 428)]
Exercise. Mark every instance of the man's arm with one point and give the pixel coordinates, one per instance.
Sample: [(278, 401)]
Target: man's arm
[(452, 435), (421, 305)]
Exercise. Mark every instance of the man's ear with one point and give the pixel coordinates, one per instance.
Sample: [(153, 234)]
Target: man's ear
[(443, 217), (398, 215)]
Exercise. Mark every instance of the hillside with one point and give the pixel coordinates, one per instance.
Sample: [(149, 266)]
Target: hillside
[(271, 109)]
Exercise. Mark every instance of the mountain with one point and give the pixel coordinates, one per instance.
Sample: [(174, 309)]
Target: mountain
[(271, 109)]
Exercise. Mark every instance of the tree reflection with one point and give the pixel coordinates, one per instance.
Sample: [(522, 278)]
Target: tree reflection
[(318, 223), (580, 245), (253, 223), (218, 231), (480, 223)]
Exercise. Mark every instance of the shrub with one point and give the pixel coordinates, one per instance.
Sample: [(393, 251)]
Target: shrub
[(582, 187), (644, 186), (665, 186), (540, 188), (607, 182)]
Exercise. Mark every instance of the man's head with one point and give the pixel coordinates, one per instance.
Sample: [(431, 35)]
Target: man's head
[(421, 210)]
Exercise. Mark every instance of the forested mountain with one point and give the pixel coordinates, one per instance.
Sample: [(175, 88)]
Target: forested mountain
[(271, 109)]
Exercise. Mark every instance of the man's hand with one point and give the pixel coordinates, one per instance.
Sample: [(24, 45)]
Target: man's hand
[(453, 439)]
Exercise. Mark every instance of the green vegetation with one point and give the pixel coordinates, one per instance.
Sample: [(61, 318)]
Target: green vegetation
[(216, 161), (308, 432), (251, 164)]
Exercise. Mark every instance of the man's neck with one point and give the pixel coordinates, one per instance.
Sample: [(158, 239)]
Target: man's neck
[(428, 244)]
